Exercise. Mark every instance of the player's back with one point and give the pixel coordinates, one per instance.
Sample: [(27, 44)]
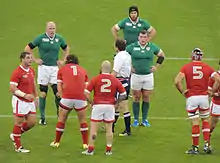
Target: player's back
[(197, 76), (73, 78), (105, 89)]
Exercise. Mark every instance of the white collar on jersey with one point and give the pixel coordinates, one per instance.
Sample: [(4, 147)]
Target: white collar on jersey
[(143, 47), (134, 22), (25, 69), (50, 37)]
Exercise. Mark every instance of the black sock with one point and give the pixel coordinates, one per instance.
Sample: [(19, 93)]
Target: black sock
[(127, 120), (117, 114)]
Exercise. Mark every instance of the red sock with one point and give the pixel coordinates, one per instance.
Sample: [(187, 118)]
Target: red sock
[(195, 135), (59, 131), (206, 130), (91, 148), (84, 132), (24, 127), (17, 135), (108, 147)]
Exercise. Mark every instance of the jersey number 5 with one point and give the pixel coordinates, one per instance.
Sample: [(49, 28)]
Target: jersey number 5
[(106, 85), (197, 73), (74, 68)]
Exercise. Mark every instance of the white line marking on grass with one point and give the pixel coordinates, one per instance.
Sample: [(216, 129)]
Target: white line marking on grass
[(75, 117), (179, 58)]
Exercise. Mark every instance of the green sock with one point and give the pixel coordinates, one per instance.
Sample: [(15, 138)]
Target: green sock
[(42, 104), (57, 102), (145, 109), (136, 108)]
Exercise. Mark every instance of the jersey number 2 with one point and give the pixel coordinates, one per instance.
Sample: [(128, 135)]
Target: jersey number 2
[(104, 87), (74, 68), (197, 73)]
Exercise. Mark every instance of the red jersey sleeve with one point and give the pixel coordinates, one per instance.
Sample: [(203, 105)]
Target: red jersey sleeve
[(90, 86), (183, 69), (211, 82), (121, 89), (86, 78), (59, 76), (212, 72), (15, 77)]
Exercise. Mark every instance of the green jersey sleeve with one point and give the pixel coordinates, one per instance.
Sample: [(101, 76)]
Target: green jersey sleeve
[(129, 49), (146, 25), (121, 24), (63, 44), (37, 41), (156, 49)]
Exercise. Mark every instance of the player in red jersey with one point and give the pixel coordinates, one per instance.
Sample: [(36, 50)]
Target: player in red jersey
[(105, 87), (72, 80), (197, 74), (24, 100), (215, 103)]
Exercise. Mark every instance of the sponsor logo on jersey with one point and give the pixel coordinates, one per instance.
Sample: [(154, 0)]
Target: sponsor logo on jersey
[(56, 39), (134, 26), (51, 42), (45, 40), (128, 24), (25, 76), (139, 25), (137, 48)]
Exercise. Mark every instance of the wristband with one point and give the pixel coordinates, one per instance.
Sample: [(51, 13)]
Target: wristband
[(19, 93)]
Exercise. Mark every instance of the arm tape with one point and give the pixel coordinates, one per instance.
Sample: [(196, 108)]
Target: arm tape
[(31, 45), (160, 59), (19, 93)]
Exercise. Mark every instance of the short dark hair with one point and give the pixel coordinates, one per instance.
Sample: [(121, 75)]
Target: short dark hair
[(72, 58), (120, 44), (144, 32), (24, 54)]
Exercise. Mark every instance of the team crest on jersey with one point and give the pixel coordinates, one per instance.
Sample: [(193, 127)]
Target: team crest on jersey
[(147, 48), (128, 24), (134, 26), (56, 39), (139, 25), (51, 42), (45, 40)]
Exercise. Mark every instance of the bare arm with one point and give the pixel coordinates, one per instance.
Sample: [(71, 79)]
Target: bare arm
[(66, 52), (60, 89), (114, 31), (28, 49), (178, 82), (160, 59), (87, 95), (114, 73), (17, 92), (35, 89), (152, 32)]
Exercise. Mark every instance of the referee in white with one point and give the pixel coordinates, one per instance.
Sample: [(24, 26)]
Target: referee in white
[(122, 71)]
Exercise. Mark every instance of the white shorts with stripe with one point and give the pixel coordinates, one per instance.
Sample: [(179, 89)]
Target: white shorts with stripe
[(215, 109), (103, 112), (69, 104), (22, 108), (139, 82), (47, 74), (197, 104)]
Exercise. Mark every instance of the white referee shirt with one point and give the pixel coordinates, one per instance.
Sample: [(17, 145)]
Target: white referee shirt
[(122, 64)]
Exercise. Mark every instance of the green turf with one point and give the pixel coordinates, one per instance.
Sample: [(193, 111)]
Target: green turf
[(181, 26)]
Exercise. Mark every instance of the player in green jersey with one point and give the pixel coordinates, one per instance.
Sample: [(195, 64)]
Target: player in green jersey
[(49, 44), (132, 26), (142, 79)]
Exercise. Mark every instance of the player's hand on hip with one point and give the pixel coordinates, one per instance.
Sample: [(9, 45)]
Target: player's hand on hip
[(39, 61), (29, 97), (60, 63), (185, 92), (153, 68), (132, 70)]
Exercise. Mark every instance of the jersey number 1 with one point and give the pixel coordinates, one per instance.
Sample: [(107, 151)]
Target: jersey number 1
[(74, 68), (197, 73), (104, 87)]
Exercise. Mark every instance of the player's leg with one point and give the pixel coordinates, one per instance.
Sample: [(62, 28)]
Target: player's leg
[(53, 82), (204, 115), (66, 106), (56, 97), (136, 86), (30, 118), (96, 118), (193, 114), (20, 109), (127, 118), (108, 118), (146, 92), (215, 113), (80, 107)]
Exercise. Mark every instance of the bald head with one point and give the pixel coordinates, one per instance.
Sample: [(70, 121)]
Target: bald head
[(106, 66), (50, 29)]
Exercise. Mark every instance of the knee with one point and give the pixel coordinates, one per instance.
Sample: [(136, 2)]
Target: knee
[(55, 91), (146, 98), (195, 121), (43, 91), (136, 96)]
